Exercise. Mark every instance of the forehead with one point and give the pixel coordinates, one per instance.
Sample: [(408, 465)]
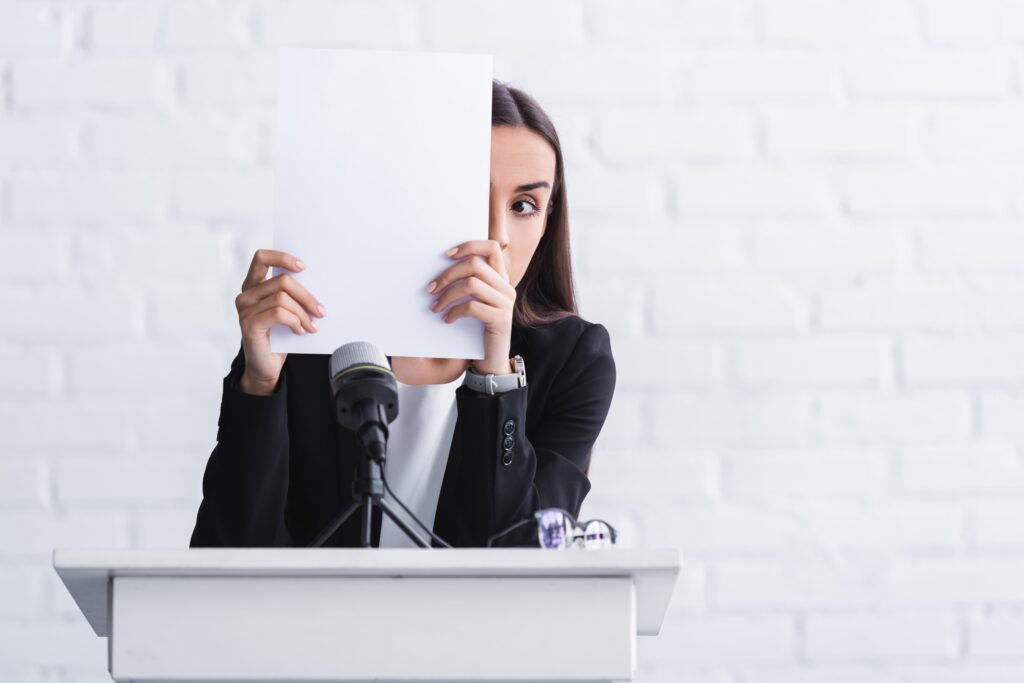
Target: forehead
[(520, 156)]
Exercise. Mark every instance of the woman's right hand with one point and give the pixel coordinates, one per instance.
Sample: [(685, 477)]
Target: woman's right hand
[(264, 303)]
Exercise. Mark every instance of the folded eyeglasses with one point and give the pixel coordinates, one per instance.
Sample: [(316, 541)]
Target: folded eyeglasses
[(557, 528)]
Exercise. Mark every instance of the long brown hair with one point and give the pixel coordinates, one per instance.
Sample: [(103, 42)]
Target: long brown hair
[(546, 292)]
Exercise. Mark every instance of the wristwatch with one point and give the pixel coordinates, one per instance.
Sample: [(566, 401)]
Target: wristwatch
[(496, 384)]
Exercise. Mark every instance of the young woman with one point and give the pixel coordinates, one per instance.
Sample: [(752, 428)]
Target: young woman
[(469, 458)]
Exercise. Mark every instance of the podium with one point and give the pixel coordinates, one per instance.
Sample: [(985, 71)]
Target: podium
[(362, 614)]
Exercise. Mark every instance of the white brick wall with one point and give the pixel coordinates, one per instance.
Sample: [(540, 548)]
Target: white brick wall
[(801, 220)]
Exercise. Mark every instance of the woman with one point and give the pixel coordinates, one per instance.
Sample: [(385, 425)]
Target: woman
[(483, 458)]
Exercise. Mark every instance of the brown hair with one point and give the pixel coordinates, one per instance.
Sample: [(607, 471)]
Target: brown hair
[(546, 292)]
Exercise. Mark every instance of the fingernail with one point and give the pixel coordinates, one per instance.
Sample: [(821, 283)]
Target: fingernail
[(300, 265), (313, 325), (432, 286), (451, 252), (433, 306), (321, 310)]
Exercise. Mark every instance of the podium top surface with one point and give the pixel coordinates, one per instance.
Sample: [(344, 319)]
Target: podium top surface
[(87, 573)]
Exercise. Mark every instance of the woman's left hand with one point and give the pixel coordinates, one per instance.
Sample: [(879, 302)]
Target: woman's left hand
[(483, 277)]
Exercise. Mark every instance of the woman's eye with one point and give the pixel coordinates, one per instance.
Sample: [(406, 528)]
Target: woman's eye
[(533, 207)]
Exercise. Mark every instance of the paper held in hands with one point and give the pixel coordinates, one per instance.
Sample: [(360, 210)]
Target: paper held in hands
[(382, 163)]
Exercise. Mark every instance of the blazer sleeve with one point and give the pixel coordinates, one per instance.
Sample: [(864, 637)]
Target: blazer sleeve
[(502, 481), (245, 485)]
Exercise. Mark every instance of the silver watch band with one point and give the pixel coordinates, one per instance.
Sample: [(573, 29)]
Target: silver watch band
[(496, 384)]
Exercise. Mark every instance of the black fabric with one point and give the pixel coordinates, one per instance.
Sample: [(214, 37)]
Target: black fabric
[(282, 468)]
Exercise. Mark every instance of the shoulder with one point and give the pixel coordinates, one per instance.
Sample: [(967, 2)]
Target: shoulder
[(570, 346), (571, 332)]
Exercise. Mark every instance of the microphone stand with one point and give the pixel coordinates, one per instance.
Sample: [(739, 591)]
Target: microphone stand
[(368, 491)]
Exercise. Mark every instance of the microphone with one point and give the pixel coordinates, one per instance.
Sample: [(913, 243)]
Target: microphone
[(365, 394)]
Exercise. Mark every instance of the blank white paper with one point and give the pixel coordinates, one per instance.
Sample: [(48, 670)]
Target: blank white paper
[(382, 163)]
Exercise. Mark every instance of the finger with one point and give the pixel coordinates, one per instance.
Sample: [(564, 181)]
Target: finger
[(284, 300), (472, 309), (256, 326), (477, 266), (474, 287), (489, 249), (263, 259), (280, 282)]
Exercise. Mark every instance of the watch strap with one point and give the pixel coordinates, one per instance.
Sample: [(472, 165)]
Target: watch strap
[(491, 384)]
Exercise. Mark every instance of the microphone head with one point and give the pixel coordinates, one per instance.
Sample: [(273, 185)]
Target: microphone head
[(363, 386), (359, 353)]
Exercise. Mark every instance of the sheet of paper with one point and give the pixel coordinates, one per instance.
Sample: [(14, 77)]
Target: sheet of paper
[(382, 163)]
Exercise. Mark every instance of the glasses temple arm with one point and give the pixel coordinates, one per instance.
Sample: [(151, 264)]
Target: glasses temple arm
[(507, 530)]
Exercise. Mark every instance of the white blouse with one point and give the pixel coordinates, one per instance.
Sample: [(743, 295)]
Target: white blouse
[(418, 444)]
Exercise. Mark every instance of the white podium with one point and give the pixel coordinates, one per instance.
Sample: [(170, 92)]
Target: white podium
[(380, 614)]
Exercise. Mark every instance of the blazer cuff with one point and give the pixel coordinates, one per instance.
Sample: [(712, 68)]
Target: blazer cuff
[(242, 413)]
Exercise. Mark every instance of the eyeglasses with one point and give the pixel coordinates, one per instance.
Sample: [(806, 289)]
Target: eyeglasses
[(557, 529)]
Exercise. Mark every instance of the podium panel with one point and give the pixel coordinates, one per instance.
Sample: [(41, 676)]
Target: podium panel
[(419, 629)]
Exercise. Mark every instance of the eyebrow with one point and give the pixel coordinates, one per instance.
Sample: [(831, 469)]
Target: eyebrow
[(532, 186)]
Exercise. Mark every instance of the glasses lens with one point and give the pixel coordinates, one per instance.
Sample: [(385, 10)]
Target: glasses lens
[(597, 535), (553, 529)]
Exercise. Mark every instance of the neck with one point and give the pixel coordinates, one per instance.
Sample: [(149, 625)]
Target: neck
[(417, 370)]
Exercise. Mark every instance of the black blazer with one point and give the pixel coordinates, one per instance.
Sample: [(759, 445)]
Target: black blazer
[(282, 469)]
